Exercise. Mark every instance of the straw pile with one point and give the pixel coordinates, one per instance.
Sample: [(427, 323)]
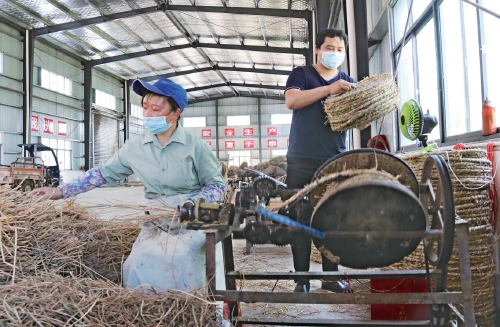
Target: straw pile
[(37, 236), (470, 171), (52, 300), (373, 98)]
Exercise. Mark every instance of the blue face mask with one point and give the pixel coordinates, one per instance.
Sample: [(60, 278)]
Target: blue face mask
[(332, 59), (157, 125)]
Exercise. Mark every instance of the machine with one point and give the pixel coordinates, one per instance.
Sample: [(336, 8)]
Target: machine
[(374, 219), (31, 172)]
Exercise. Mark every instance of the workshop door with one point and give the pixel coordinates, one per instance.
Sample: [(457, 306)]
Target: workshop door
[(105, 137)]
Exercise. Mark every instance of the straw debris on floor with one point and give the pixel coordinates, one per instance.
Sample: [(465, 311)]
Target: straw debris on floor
[(52, 300), (373, 98), (61, 265), (470, 172)]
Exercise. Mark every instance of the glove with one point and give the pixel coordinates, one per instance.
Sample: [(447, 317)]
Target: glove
[(187, 211)]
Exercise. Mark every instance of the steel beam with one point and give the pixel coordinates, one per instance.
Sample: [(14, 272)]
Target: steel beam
[(219, 68), (87, 116), (241, 11), (93, 21), (229, 84), (106, 60), (281, 98), (29, 53), (143, 11)]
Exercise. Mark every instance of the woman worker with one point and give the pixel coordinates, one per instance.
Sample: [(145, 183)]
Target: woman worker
[(174, 167)]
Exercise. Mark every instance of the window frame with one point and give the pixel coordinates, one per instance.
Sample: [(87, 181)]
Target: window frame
[(415, 26)]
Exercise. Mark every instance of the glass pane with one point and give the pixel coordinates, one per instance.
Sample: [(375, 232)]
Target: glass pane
[(281, 119), (491, 48), (45, 78), (473, 68), (67, 160), (400, 14), (194, 122), (68, 86), (418, 8), (405, 80), (60, 84), (1, 62), (60, 144), (67, 145), (427, 72), (53, 82), (45, 141), (453, 68), (238, 120)]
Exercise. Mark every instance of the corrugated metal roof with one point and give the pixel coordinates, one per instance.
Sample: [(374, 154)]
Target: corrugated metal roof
[(218, 42)]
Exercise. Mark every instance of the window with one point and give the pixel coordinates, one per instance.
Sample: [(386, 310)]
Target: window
[(276, 153), (491, 48), (136, 111), (194, 121), (1, 62), (105, 100), (238, 120), (55, 82), (467, 70), (236, 158), (281, 119), (62, 149)]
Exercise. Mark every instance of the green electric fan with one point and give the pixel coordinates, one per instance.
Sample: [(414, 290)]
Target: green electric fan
[(414, 124)]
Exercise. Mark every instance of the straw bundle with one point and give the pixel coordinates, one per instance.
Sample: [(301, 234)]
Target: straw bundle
[(470, 171), (52, 300), (38, 236), (373, 98)]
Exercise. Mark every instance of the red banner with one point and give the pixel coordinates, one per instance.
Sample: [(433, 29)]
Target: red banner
[(229, 145), (248, 131), (272, 131), (206, 133), (48, 126), (35, 123), (248, 144), (229, 132), (272, 143)]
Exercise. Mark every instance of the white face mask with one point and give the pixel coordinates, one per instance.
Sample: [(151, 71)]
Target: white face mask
[(332, 59)]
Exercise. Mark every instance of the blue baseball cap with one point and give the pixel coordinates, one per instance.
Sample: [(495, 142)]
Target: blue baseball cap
[(165, 87)]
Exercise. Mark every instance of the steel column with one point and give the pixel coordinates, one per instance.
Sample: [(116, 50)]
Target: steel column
[(323, 12), (259, 113), (28, 54), (87, 119), (465, 272), (362, 55), (439, 65), (217, 129), (126, 110), (311, 35)]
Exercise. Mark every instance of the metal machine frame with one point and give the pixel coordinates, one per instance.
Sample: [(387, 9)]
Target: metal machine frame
[(435, 209)]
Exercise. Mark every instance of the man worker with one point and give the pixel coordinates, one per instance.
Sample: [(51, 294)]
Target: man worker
[(312, 141), (175, 167)]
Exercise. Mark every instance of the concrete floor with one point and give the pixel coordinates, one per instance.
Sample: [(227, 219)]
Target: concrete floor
[(116, 202)]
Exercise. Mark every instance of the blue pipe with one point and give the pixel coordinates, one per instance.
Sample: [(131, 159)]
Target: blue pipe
[(286, 221)]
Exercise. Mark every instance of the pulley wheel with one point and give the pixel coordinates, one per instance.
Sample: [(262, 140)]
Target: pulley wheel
[(365, 159), (369, 206), (437, 196)]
